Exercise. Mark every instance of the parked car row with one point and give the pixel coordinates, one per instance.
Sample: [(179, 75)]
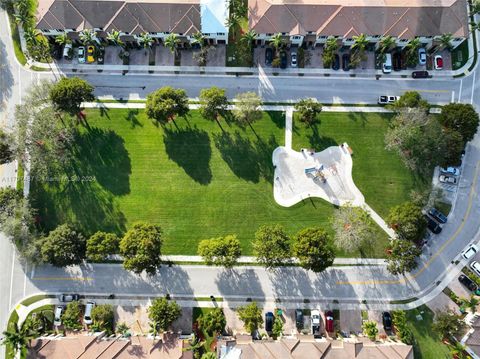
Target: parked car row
[(85, 55), (67, 298), (467, 254)]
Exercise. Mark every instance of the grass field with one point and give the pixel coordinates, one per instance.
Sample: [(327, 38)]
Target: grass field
[(198, 181)]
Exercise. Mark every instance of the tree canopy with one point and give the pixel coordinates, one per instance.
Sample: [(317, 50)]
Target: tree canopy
[(162, 313), (251, 316), (370, 329), (213, 322), (314, 249), (247, 108), (69, 93), (213, 103), (308, 110), (402, 257), (408, 221), (72, 315), (6, 150), (167, 103), (411, 99), (102, 244), (447, 324), (271, 246), (63, 246), (460, 117), (103, 317), (222, 251), (141, 248)]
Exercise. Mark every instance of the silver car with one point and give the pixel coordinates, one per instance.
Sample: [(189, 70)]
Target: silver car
[(293, 57), (81, 55), (422, 56)]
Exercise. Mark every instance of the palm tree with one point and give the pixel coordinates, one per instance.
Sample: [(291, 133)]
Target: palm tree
[(475, 26), (446, 41), (88, 36), (199, 39), (146, 41), (62, 39), (249, 37), (476, 7), (358, 50), (171, 43), (277, 40), (20, 17), (232, 23), (457, 351), (114, 38), (17, 338), (385, 44), (471, 303), (30, 36)]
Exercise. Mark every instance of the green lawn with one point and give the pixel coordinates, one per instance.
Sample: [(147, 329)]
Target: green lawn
[(380, 175), (198, 181), (460, 55), (428, 345)]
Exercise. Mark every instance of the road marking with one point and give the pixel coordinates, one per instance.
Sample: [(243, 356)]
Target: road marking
[(436, 254), (25, 280), (32, 273), (453, 96), (64, 278), (11, 279), (473, 87), (434, 91), (460, 91)]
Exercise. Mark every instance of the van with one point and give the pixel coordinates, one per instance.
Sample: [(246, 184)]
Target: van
[(387, 64), (68, 52), (58, 315), (87, 318)]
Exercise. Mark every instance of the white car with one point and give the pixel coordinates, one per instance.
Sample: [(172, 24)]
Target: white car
[(81, 55), (58, 315), (470, 251), (87, 318), (293, 61), (454, 171), (475, 267), (385, 100), (447, 179), (315, 314)]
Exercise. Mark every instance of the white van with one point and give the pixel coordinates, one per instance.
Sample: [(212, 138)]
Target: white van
[(87, 318), (58, 316), (387, 64)]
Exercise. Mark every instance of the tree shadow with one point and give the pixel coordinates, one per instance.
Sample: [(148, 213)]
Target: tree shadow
[(264, 150), (358, 117), (132, 118), (190, 149), (6, 77), (318, 141), (102, 153), (278, 118)]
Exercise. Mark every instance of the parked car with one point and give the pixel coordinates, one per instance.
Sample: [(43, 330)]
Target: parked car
[(420, 74), (268, 56), (447, 179), (437, 215), (90, 54), (422, 56), (68, 52), (438, 62), (387, 64), (69, 297), (100, 55), (475, 267), (268, 322), (454, 171), (315, 314), (299, 318), (283, 60), (387, 321), (346, 62), (293, 59), (329, 321), (57, 319), (81, 55), (433, 225), (336, 62), (470, 251), (467, 282), (87, 317), (397, 61), (385, 100)]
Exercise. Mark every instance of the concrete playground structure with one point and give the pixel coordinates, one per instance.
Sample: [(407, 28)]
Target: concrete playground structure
[(326, 174)]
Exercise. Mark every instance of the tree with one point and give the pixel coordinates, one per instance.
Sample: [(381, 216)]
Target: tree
[(122, 328), (31, 36), (209, 355), (213, 322), (6, 148), (251, 316), (167, 103), (308, 109), (163, 313), (102, 244), (354, 228), (271, 246), (114, 37), (221, 251), (146, 40), (454, 147), (331, 46), (198, 39), (103, 317), (16, 337), (476, 7), (386, 44), (277, 328), (247, 108), (411, 99), (411, 52), (460, 117), (213, 103), (370, 329), (232, 23), (314, 249), (141, 248), (9, 198), (446, 41), (69, 93), (71, 316), (408, 221), (402, 256), (248, 38), (458, 350), (171, 42), (358, 50), (62, 39), (402, 329), (277, 41), (447, 324), (471, 303), (63, 247), (88, 36)]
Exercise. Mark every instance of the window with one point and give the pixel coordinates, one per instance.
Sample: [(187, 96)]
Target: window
[(458, 39), (322, 37), (269, 34), (349, 39), (220, 33), (59, 30), (297, 37), (284, 33)]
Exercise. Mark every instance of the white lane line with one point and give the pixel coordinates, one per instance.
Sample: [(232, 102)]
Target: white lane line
[(453, 96), (460, 91), (11, 280), (32, 273), (25, 280), (473, 87), (19, 87)]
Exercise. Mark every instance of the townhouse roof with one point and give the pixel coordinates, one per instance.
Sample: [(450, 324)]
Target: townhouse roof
[(402, 19)]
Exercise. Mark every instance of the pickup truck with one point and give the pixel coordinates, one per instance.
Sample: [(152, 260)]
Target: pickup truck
[(385, 100)]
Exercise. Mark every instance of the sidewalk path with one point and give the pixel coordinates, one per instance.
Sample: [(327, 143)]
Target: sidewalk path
[(288, 128), (379, 220)]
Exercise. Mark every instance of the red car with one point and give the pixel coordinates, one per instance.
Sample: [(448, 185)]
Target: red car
[(438, 62), (329, 322)]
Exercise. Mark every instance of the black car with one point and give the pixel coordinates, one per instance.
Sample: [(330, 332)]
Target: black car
[(433, 225), (346, 62), (268, 322), (467, 282), (69, 297), (336, 62), (387, 321), (268, 56), (420, 74), (397, 61), (437, 215), (299, 318), (283, 60), (100, 55)]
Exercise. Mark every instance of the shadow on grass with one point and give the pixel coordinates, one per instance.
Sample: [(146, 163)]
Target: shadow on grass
[(190, 149), (319, 142), (132, 118)]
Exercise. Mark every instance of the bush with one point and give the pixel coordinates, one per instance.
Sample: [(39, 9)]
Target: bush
[(102, 317)]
